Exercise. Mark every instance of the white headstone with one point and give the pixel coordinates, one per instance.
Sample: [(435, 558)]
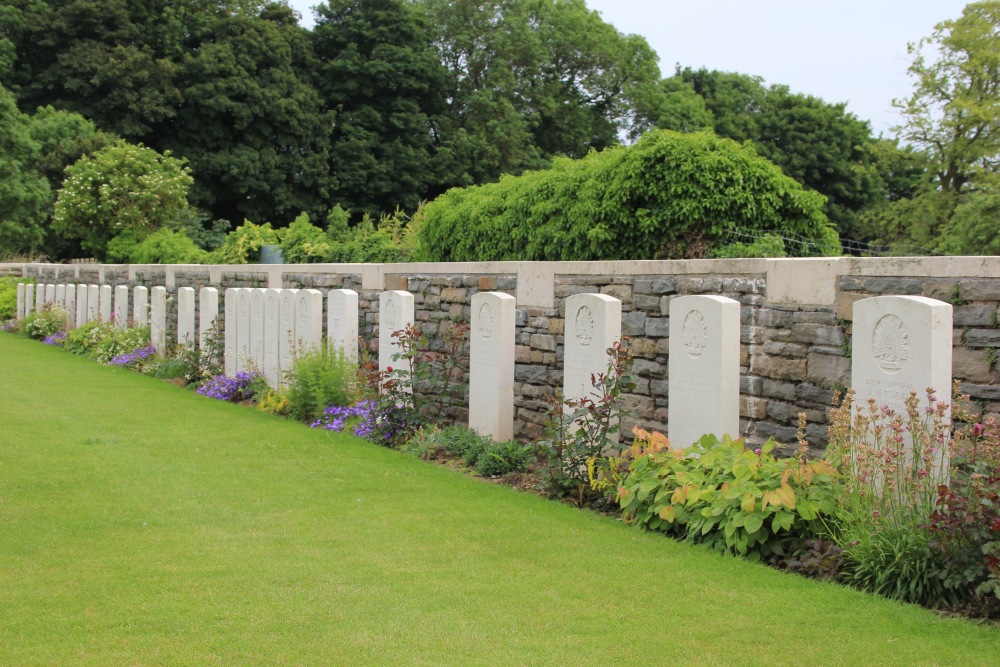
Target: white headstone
[(901, 344), (286, 333), (121, 306), (61, 296), (229, 342), (257, 314), (491, 370), (20, 301), (105, 301), (243, 330), (50, 294), (158, 319), (395, 314), (29, 298), (70, 301), (272, 337), (342, 322), (140, 306), (309, 320), (93, 303), (185, 317), (704, 385), (82, 307), (208, 315), (593, 324)]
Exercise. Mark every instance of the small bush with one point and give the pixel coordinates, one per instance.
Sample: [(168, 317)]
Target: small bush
[(319, 378), (41, 324), (243, 244), (731, 498), (8, 296), (361, 419), (104, 341), (500, 458)]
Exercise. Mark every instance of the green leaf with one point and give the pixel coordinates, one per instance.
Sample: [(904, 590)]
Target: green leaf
[(753, 523)]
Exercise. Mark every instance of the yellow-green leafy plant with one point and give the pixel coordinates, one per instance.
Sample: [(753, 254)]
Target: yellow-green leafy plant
[(732, 498)]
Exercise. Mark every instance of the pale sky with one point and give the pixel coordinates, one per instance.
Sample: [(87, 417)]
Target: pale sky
[(851, 51)]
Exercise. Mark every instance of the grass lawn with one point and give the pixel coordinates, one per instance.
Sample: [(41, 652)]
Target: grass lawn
[(142, 524)]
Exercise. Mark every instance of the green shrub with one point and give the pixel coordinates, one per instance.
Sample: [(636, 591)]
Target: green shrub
[(670, 195), (303, 243), (163, 246), (731, 498), (8, 296), (500, 458), (319, 378), (104, 341), (243, 244), (41, 324)]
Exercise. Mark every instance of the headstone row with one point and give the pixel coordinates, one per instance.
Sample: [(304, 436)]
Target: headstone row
[(266, 328), (901, 343)]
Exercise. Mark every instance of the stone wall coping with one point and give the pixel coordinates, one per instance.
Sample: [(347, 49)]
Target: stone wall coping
[(797, 281)]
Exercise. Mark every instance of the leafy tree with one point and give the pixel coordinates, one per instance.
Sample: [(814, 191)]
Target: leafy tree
[(820, 145), (380, 74), (90, 57), (251, 125), (63, 138), (953, 114), (24, 193), (303, 242), (122, 187), (670, 195), (531, 79)]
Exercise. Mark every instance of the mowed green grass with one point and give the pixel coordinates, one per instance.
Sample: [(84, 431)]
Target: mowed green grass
[(141, 524)]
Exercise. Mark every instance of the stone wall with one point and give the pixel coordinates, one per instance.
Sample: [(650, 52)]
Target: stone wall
[(795, 316)]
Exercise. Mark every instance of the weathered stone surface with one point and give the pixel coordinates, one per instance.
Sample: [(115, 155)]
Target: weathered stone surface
[(543, 342), (975, 315), (634, 324), (982, 338), (454, 294), (645, 367), (751, 385), (829, 370), (893, 285), (980, 391), (777, 389), (781, 368), (785, 349), (783, 434), (845, 304), (557, 326), (621, 292), (943, 290), (646, 302), (656, 327), (818, 334), (813, 394), (753, 407), (642, 347), (531, 373), (769, 317), (979, 290), (522, 354), (972, 365)]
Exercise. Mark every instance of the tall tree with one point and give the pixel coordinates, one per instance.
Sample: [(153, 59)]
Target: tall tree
[(251, 124), (953, 114), (379, 73), (818, 144), (24, 193), (532, 79)]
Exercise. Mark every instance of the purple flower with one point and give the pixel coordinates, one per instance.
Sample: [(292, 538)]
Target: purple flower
[(225, 388), (56, 339), (131, 357)]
